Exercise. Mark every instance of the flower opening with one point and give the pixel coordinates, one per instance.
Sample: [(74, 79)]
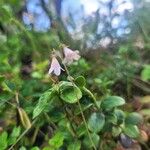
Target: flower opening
[(70, 55)]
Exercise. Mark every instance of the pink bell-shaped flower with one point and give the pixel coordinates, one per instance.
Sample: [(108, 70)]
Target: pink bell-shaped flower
[(55, 67), (70, 55)]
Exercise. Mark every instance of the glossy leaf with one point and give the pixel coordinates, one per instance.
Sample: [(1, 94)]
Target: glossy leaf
[(43, 101), (87, 142), (3, 140), (57, 140), (96, 122), (111, 102), (111, 118), (133, 118), (116, 131), (35, 148), (74, 146), (15, 133), (131, 130), (69, 92), (120, 116)]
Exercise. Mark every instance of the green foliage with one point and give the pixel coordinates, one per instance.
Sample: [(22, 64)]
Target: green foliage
[(2, 78), (96, 122), (56, 141), (35, 148), (43, 101), (74, 146), (131, 130), (111, 102), (6, 140), (95, 138), (6, 12), (116, 131), (22, 148), (69, 92), (14, 135), (133, 118), (70, 112), (145, 74), (120, 116), (80, 81), (4, 97), (3, 140)]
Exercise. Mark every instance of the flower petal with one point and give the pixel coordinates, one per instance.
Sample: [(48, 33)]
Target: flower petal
[(50, 70), (57, 71), (55, 66), (67, 51), (70, 55)]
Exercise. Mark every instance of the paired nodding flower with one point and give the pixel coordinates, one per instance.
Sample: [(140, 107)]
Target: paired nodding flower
[(55, 67), (69, 57)]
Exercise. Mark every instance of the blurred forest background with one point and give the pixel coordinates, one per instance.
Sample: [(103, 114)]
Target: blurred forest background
[(113, 37)]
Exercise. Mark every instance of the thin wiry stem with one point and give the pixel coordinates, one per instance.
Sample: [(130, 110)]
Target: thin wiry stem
[(92, 96), (82, 114)]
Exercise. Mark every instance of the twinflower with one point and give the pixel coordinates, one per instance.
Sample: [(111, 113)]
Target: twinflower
[(70, 55), (55, 67)]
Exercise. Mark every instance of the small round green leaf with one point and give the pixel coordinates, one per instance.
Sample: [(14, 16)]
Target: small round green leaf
[(80, 81), (3, 140), (111, 118), (120, 116), (131, 130), (74, 146), (35, 148), (116, 131), (87, 142), (69, 92), (57, 140), (111, 102), (96, 122), (133, 118)]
